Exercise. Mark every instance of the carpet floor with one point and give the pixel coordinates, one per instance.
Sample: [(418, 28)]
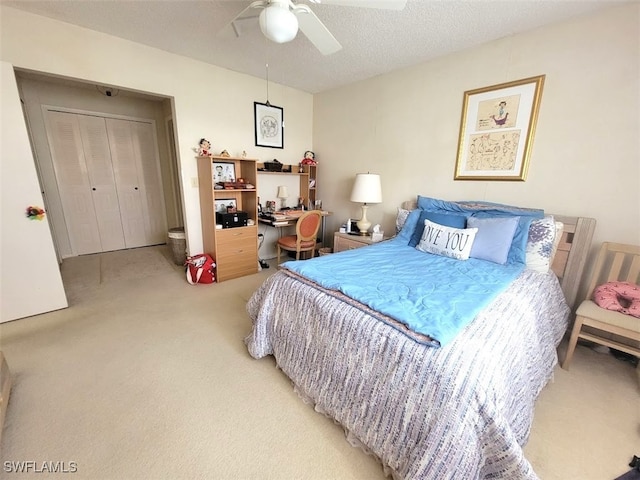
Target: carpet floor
[(147, 377)]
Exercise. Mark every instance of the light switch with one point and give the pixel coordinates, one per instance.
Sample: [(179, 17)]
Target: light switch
[(194, 182)]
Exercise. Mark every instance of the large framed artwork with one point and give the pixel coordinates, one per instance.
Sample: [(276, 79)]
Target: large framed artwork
[(497, 129), (269, 125)]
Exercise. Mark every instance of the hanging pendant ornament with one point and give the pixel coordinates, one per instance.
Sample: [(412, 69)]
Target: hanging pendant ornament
[(267, 103)]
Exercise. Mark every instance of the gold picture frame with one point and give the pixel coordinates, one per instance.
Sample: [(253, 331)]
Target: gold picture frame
[(496, 130)]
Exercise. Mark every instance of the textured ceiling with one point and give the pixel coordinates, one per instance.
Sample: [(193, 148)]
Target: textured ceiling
[(374, 41)]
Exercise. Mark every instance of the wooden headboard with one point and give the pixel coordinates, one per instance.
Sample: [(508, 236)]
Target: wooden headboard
[(573, 250)]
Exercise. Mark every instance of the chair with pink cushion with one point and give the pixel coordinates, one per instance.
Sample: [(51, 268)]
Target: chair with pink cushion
[(305, 238), (617, 263)]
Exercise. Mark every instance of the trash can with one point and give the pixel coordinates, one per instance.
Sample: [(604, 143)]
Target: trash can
[(324, 251), (178, 244)]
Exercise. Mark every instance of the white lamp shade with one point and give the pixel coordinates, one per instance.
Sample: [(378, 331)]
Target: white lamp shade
[(283, 192), (278, 23), (367, 188)]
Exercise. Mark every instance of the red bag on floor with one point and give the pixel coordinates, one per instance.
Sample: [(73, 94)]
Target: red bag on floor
[(200, 269)]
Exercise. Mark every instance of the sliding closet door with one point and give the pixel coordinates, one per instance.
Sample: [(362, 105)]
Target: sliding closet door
[(70, 168)]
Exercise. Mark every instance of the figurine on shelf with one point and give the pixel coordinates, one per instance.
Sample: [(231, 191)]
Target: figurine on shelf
[(309, 158), (204, 148), (224, 153)]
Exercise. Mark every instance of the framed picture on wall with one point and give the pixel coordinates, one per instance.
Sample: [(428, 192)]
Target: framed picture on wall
[(497, 129), (269, 125)]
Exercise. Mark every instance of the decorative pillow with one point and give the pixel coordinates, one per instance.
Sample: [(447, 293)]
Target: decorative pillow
[(401, 218), (494, 238), (623, 297), (542, 235), (453, 220), (446, 241), (483, 209)]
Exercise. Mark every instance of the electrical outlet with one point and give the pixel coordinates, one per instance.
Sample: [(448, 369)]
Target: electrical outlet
[(194, 182)]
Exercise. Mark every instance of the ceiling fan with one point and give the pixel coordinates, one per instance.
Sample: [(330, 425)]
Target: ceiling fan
[(279, 20)]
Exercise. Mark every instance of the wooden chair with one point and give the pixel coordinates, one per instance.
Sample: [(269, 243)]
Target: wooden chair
[(304, 240), (615, 262)]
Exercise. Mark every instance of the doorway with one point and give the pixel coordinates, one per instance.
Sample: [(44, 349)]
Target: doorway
[(108, 176), (41, 93)]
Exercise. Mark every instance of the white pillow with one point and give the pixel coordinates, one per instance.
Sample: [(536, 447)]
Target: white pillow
[(447, 241), (401, 218), (540, 244)]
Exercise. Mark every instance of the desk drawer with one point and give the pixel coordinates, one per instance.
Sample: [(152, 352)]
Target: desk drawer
[(229, 236), (236, 252)]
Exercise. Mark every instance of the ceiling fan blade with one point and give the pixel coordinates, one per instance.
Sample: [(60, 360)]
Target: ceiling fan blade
[(252, 12), (315, 30), (382, 4)]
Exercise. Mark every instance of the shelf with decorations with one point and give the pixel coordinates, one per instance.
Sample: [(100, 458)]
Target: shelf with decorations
[(228, 185)]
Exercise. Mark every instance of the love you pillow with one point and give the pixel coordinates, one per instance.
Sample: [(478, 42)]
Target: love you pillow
[(447, 241)]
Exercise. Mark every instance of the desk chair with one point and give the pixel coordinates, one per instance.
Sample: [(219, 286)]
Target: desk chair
[(615, 262), (305, 239)]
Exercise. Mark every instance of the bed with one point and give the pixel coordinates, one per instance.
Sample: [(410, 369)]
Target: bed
[(428, 402)]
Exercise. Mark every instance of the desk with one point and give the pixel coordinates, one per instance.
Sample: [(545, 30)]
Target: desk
[(289, 221)]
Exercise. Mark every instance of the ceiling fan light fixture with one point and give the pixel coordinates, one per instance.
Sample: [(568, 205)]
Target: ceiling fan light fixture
[(278, 23)]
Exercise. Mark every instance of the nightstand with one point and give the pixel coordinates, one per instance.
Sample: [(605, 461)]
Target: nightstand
[(346, 241)]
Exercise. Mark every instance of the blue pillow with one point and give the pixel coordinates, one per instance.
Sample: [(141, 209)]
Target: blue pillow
[(518, 251), (494, 237), (447, 219), (409, 225), (433, 204)]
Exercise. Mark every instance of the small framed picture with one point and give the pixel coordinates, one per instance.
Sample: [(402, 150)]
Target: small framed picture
[(269, 125), (223, 205), (224, 172)]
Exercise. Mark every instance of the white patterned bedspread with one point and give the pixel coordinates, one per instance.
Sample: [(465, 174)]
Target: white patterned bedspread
[(460, 412)]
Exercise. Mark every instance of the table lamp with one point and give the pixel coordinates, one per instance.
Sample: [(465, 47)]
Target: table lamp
[(366, 189), (283, 194)]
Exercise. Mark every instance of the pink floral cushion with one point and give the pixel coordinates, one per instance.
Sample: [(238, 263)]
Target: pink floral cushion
[(623, 297)]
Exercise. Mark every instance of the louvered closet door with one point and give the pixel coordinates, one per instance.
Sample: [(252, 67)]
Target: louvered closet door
[(148, 169), (123, 157), (70, 168), (103, 189)]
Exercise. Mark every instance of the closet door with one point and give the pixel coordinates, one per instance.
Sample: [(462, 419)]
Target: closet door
[(148, 167), (137, 170), (123, 157), (103, 189), (70, 168)]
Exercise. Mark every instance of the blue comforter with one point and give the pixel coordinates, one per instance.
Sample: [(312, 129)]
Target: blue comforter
[(433, 295)]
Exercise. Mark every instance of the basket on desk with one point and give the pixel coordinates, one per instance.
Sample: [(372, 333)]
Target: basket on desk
[(273, 166)]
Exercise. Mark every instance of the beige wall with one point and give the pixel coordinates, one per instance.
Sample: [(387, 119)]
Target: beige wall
[(209, 101), (585, 159), (403, 125)]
